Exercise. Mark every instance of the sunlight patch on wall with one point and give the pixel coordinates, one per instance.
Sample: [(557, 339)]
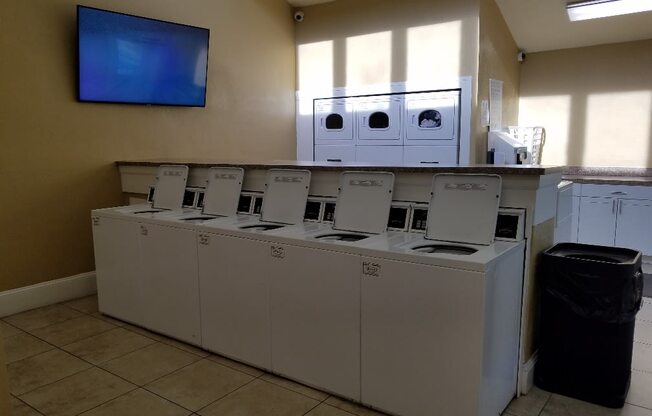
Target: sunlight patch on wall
[(553, 113), (433, 52), (618, 129), (315, 65), (369, 59)]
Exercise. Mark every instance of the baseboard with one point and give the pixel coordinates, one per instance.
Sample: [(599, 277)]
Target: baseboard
[(526, 378), (46, 293)]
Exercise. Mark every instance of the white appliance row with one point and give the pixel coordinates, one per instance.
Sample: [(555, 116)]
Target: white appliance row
[(409, 323), (397, 128)]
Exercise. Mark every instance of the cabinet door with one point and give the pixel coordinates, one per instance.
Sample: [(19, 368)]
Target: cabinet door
[(315, 318), (171, 283), (597, 223), (334, 153), (389, 155), (634, 225), (234, 279), (422, 334), (117, 264)]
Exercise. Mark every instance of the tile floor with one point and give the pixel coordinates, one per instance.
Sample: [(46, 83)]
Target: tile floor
[(68, 359)]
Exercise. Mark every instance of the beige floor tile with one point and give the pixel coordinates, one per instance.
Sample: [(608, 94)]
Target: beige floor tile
[(138, 403), (108, 319), (261, 398), (252, 371), (86, 304), (351, 407), (149, 363), (199, 384), (645, 314), (642, 357), (72, 330), (78, 393), (108, 345), (7, 330), (299, 388), (640, 390), (643, 332), (18, 408), (327, 410), (529, 404), (30, 373), (565, 406), (187, 348), (23, 346), (41, 317)]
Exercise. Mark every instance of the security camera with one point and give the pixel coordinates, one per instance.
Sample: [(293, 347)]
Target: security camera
[(521, 56), (298, 16)]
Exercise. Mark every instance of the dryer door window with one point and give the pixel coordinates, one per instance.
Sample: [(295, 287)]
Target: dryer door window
[(432, 119), (379, 120), (333, 121)]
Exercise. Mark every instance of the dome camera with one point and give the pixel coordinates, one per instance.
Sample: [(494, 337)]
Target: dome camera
[(298, 16)]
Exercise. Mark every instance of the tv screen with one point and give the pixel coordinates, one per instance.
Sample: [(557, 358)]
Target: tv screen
[(131, 59)]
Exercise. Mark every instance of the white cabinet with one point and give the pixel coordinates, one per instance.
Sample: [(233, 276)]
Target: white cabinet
[(634, 225), (616, 215), (234, 280), (315, 318), (117, 265), (430, 154), (170, 281), (389, 155), (597, 223)]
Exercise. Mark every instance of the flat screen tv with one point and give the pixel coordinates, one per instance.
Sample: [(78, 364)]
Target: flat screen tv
[(132, 59)]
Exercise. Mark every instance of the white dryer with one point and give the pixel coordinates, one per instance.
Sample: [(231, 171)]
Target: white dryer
[(379, 121), (235, 263), (441, 312)]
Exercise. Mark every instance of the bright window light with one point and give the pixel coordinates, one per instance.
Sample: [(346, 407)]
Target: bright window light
[(595, 9)]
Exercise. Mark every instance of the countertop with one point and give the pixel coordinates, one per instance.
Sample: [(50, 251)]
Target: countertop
[(609, 176), (407, 168)]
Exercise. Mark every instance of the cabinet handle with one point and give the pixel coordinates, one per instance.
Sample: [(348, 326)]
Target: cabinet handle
[(620, 206), (619, 193), (613, 206), (429, 162), (333, 160)]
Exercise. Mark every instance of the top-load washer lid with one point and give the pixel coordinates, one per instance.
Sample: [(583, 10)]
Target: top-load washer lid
[(170, 186), (464, 208), (223, 189), (286, 194), (363, 202)]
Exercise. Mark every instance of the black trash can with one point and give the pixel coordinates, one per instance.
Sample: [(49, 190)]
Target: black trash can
[(589, 300)]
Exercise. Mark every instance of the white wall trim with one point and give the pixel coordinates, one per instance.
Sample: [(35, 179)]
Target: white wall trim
[(526, 378), (47, 293)]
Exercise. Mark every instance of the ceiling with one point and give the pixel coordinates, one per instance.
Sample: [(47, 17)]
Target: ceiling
[(541, 25)]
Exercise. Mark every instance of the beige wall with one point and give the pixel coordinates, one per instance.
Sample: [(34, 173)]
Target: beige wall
[(595, 103), (362, 42), (497, 61), (57, 155)]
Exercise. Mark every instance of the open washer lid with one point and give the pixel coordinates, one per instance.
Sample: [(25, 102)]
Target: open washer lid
[(223, 189), (286, 194), (464, 208), (363, 201), (169, 186)]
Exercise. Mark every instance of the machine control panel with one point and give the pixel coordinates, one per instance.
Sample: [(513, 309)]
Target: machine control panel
[(200, 199), (419, 219), (329, 212), (258, 205), (398, 217), (313, 210), (189, 198)]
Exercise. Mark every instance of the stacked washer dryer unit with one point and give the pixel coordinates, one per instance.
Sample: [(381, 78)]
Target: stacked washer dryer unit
[(389, 129), (441, 311), (235, 261), (315, 288)]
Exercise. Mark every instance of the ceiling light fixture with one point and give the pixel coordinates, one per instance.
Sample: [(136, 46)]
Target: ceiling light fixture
[(595, 9)]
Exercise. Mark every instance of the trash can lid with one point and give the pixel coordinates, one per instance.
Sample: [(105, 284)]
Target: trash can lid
[(589, 252)]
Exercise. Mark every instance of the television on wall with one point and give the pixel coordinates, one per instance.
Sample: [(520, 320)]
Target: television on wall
[(138, 60)]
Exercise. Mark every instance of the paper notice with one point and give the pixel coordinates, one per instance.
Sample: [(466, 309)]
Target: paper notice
[(495, 105)]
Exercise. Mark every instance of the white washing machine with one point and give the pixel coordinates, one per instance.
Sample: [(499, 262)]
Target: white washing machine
[(235, 263), (440, 312), (315, 288), (117, 235)]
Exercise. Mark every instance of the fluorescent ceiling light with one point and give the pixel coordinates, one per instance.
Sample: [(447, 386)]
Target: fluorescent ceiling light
[(595, 9)]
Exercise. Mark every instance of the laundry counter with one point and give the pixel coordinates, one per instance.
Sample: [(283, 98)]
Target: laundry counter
[(530, 189)]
